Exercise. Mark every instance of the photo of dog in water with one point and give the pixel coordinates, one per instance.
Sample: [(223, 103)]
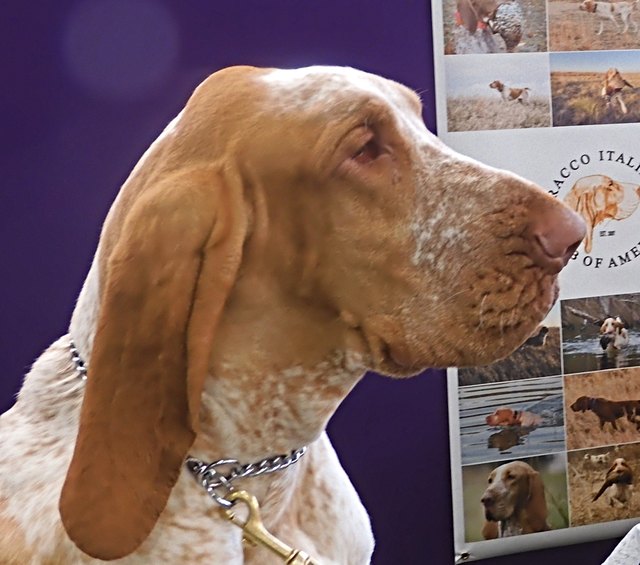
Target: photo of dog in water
[(500, 421), (601, 332)]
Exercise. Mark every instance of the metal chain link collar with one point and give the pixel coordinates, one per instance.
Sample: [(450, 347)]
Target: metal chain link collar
[(211, 479), (207, 474)]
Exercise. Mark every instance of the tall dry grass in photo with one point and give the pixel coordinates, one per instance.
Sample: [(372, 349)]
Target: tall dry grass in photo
[(474, 113), (576, 99), (583, 428), (585, 479), (571, 29)]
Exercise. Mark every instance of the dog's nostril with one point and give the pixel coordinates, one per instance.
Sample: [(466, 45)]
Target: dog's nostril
[(555, 232)]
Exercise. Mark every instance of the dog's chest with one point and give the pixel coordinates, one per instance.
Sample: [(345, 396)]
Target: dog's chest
[(509, 528)]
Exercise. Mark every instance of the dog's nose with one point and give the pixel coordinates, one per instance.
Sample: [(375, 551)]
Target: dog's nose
[(487, 500), (554, 233)]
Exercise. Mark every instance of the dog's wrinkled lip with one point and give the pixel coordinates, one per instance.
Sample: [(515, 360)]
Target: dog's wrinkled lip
[(396, 361)]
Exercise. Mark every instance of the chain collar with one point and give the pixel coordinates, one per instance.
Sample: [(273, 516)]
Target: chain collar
[(211, 479), (207, 474), (78, 363)]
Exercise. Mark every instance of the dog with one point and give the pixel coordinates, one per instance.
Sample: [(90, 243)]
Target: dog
[(613, 335), (509, 417), (611, 11), (598, 198), (595, 460), (618, 484), (514, 502), (612, 87), (508, 94), (239, 291), (608, 411)]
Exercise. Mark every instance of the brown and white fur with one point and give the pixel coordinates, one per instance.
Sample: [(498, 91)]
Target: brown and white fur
[(599, 198), (618, 484), (612, 11), (289, 230), (514, 501), (509, 94), (612, 87)]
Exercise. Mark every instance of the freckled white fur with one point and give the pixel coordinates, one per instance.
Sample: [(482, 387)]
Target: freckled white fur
[(37, 452)]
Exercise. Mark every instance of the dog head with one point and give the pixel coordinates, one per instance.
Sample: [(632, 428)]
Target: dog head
[(589, 6), (513, 487), (319, 190)]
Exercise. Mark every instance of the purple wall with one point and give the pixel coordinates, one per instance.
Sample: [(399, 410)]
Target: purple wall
[(88, 84)]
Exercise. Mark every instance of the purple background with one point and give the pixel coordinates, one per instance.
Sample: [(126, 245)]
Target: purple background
[(88, 84)]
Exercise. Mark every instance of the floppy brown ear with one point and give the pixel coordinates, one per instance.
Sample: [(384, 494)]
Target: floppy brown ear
[(168, 276), (490, 530), (468, 15), (586, 207), (536, 504)]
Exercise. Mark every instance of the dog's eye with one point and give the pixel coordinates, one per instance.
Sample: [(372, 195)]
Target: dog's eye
[(370, 151)]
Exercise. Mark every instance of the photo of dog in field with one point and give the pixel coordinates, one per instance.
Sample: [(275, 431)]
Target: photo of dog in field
[(601, 332), (595, 88), (473, 27), (584, 25), (511, 419), (505, 92), (515, 497), (602, 408), (602, 484), (538, 356)]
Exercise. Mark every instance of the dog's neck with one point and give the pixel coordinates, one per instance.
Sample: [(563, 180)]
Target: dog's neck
[(276, 377), (272, 385), (510, 527)]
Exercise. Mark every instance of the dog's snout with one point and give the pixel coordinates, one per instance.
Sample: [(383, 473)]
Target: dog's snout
[(487, 499), (554, 232)]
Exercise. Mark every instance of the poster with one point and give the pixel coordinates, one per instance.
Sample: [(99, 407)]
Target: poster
[(551, 91)]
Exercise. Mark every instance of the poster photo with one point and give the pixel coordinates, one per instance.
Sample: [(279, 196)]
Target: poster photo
[(545, 444)]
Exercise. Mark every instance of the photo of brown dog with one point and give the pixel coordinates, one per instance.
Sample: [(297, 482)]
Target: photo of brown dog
[(516, 497), (595, 87), (602, 483), (602, 408), (513, 419)]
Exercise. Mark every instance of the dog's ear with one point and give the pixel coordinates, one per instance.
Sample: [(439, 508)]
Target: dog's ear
[(585, 205), (468, 15), (168, 276), (536, 515)]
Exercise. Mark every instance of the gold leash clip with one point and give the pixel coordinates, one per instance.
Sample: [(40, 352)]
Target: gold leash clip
[(254, 531)]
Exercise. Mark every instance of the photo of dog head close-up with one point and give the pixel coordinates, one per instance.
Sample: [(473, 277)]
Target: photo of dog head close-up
[(514, 498)]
